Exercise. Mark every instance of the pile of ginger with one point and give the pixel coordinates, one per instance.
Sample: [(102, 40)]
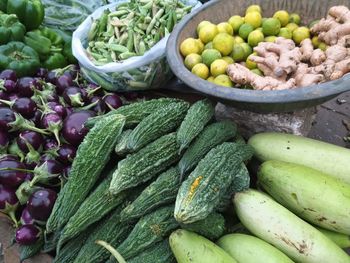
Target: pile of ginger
[(287, 66)]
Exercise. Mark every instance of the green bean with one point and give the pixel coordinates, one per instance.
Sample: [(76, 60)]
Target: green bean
[(130, 43), (154, 20), (137, 84), (118, 13), (117, 48), (103, 21), (126, 55), (142, 48)]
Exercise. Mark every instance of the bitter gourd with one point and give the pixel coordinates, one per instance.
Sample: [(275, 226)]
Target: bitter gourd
[(160, 192), (200, 193), (121, 147), (99, 203), (149, 230), (157, 124), (159, 253), (211, 136), (27, 251), (211, 227), (199, 114), (92, 156), (134, 112), (110, 230), (143, 165), (239, 183)]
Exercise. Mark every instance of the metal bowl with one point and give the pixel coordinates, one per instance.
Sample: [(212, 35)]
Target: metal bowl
[(217, 11)]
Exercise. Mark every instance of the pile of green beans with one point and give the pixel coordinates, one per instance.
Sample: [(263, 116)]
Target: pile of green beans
[(131, 30)]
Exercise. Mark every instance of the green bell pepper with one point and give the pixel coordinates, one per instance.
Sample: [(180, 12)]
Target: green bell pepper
[(30, 12), (39, 43), (20, 58), (56, 60), (55, 38), (10, 29), (67, 52)]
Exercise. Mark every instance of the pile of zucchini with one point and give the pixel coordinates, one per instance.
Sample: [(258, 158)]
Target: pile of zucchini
[(143, 171)]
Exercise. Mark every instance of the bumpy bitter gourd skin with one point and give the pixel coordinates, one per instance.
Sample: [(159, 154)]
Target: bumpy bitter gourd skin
[(160, 192), (121, 146), (149, 230), (157, 124), (199, 114), (212, 135), (201, 192), (143, 165), (92, 156), (159, 253)]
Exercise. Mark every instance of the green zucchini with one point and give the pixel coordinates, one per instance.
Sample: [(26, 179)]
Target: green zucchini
[(210, 137), (149, 230), (134, 112), (92, 156), (99, 203), (159, 253), (111, 231), (201, 192), (121, 146), (71, 249), (142, 166), (157, 124), (160, 192), (240, 183), (199, 114), (211, 227), (30, 250)]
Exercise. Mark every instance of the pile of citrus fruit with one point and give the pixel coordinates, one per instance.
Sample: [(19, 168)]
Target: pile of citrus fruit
[(219, 45)]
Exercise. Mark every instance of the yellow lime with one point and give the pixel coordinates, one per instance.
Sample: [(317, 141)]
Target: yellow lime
[(200, 45), (201, 24), (228, 59), (294, 18), (315, 41), (253, 18), (245, 30), (255, 38), (238, 40), (286, 33), (300, 34), (224, 43), (236, 22), (247, 50), (238, 53), (259, 29), (282, 16), (270, 39), (322, 46), (292, 26), (208, 32), (209, 55), (257, 71), (271, 27), (208, 45), (313, 23), (192, 59), (201, 70), (211, 79), (225, 27), (223, 80), (250, 64), (218, 67), (253, 8), (188, 46)]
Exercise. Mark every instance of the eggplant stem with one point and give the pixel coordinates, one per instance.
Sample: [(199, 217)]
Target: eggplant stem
[(112, 250), (12, 216), (16, 169)]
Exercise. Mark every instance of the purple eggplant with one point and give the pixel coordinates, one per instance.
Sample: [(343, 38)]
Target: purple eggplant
[(70, 110), (8, 202), (53, 122), (34, 139), (12, 172), (58, 108), (24, 106), (8, 157), (13, 96), (10, 86), (94, 90), (73, 130), (3, 96), (7, 116), (8, 74), (27, 234), (63, 82), (75, 96), (26, 86), (131, 96), (66, 153), (66, 171), (51, 77), (113, 101), (26, 217), (45, 172), (99, 105), (36, 119), (42, 73), (50, 144), (40, 204), (4, 141)]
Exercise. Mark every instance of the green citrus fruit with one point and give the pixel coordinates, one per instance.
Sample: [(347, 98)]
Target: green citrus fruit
[(292, 26), (245, 30), (255, 37), (224, 43), (225, 27), (253, 8), (223, 80), (201, 24), (228, 59), (218, 67), (209, 55), (201, 70), (286, 33), (209, 45), (236, 22), (300, 34), (271, 27), (257, 72), (247, 50), (250, 64), (270, 39), (188, 46), (294, 18), (208, 32), (191, 60), (238, 53)]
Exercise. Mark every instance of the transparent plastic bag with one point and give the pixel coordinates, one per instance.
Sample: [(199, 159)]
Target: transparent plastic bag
[(149, 71)]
